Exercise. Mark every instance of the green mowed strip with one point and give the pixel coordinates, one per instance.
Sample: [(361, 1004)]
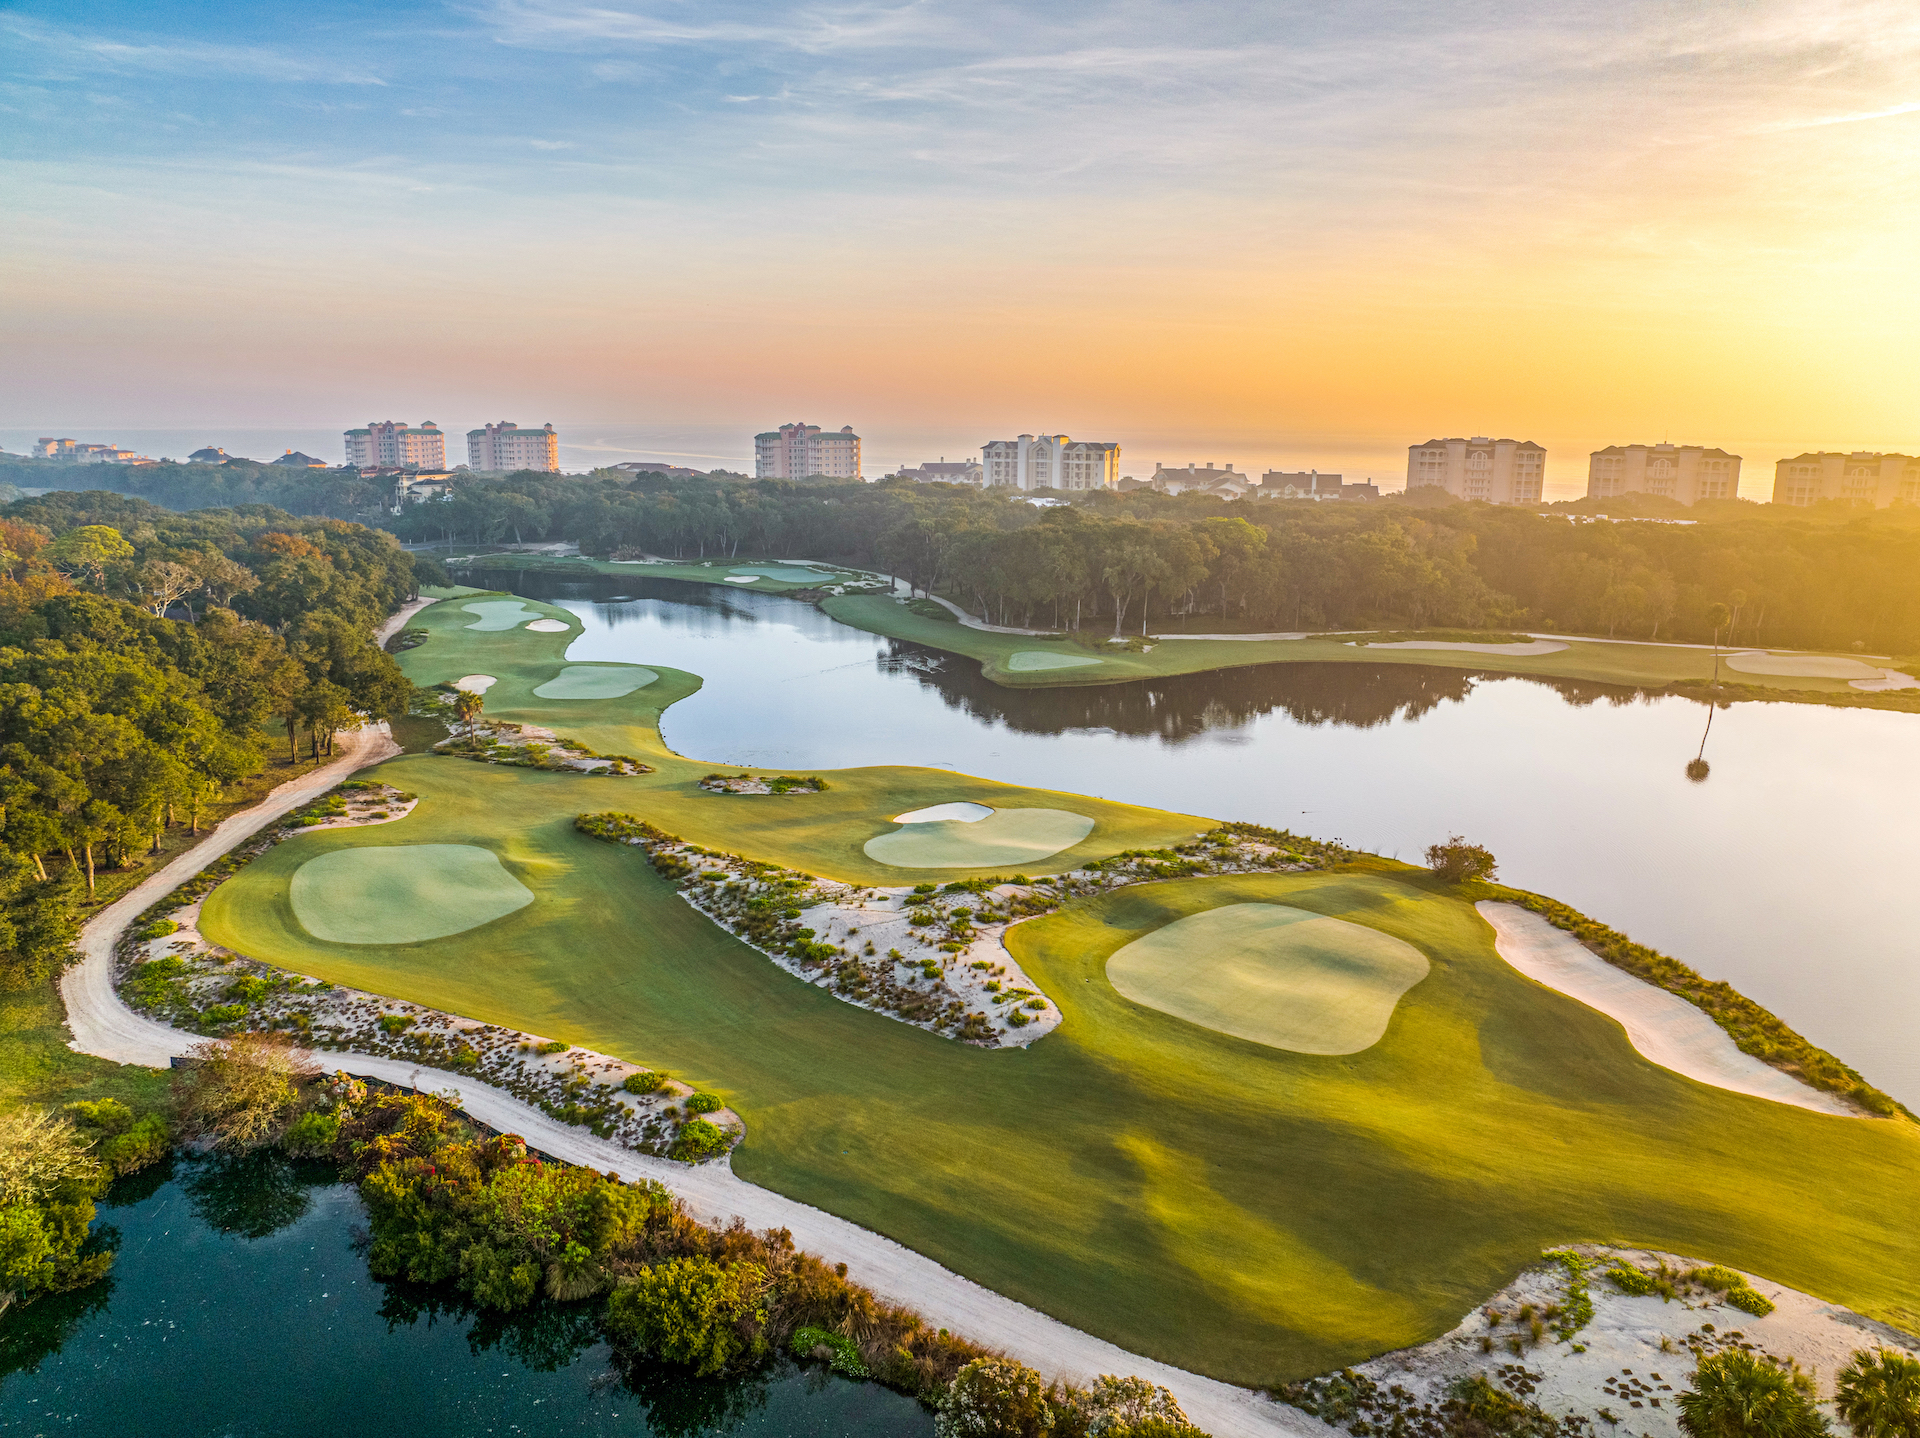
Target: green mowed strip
[(1004, 837), (1273, 974), (1242, 1210), (595, 681), (499, 614), (1029, 661), (398, 894)]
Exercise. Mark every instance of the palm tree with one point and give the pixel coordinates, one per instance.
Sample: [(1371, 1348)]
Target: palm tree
[(1697, 767), (467, 705), (1736, 1395), (1878, 1395), (1717, 616)]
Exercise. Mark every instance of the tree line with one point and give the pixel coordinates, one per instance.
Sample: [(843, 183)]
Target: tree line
[(146, 659)]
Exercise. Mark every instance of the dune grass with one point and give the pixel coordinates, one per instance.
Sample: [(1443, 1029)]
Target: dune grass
[(1245, 1211), (1274, 974)]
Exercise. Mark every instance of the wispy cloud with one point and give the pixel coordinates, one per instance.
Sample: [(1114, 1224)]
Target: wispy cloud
[(551, 144), (72, 50)]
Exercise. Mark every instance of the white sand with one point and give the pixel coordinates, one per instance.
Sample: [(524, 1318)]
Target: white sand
[(1803, 666), (1536, 646), (475, 683), (739, 578), (1889, 679), (548, 626), (961, 811), (1664, 1027), (1626, 1334)]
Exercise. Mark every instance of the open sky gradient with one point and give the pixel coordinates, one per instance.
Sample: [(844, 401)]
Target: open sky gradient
[(1283, 232)]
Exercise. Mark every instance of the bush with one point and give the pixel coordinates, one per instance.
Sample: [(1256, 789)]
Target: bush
[(312, 1134), (1878, 1395), (158, 929), (691, 1311), (696, 1141), (704, 1103), (551, 1046), (1132, 1408), (1635, 1281), (1457, 861), (1750, 1300), (837, 1351), (1737, 1395), (645, 1081), (395, 1023), (995, 1398)]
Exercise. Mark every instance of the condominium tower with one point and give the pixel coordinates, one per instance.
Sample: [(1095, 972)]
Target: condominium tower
[(500, 448), (393, 445), (1050, 461), (1682, 472), (802, 451), (1499, 471), (1862, 477)]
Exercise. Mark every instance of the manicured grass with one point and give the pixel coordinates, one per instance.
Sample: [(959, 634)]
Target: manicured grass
[(596, 681), (37, 1067), (766, 576), (1245, 1211), (498, 614), (1014, 838), (1274, 974), (1004, 657), (390, 894)]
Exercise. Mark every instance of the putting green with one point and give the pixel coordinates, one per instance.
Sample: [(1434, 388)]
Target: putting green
[(1029, 660), (499, 614), (1006, 836), (596, 681), (785, 574), (402, 893), (1277, 975)]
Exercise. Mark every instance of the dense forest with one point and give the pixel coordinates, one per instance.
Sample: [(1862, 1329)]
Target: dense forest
[(118, 722)]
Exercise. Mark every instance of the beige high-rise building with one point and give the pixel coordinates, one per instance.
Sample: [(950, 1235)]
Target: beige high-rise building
[(1498, 471), (394, 445), (1683, 472), (504, 447), (1862, 477), (802, 451), (1050, 461)]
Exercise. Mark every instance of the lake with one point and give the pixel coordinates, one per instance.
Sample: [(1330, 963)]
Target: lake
[(239, 1305), (1785, 872)]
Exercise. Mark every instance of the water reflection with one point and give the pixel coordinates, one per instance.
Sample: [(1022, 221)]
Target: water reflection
[(250, 1194), (1573, 786)]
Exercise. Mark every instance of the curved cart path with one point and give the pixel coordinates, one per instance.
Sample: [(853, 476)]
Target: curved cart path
[(1663, 1027), (104, 1026)]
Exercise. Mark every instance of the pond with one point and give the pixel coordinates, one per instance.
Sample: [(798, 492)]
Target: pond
[(1787, 872), (239, 1304)]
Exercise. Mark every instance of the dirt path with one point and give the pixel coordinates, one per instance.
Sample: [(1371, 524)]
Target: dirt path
[(104, 1026)]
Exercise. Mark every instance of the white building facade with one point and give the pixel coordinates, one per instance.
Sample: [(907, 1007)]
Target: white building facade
[(1686, 473), (392, 444), (504, 447), (1496, 471), (1050, 461), (1864, 477), (803, 451)]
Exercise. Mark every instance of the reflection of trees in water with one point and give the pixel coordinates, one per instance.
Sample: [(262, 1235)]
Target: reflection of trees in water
[(252, 1194), (37, 1330), (545, 1337), (1361, 696), (678, 1405), (703, 602)]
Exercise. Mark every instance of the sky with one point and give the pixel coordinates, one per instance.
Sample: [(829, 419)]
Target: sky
[(1284, 234)]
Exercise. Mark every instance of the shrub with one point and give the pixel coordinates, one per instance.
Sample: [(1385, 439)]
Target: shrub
[(48, 1182), (1635, 1281), (691, 1311), (995, 1398), (1457, 861), (238, 1092), (704, 1103), (645, 1081), (158, 929), (1750, 1300), (312, 1134), (395, 1023), (1131, 1408), (224, 1013), (1878, 1395), (551, 1046), (837, 1351), (697, 1140), (1736, 1395)]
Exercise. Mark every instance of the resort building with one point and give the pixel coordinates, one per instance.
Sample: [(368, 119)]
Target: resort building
[(1225, 480), (212, 454), (1682, 472), (502, 448), (945, 471), (294, 459), (1497, 471), (392, 444), (806, 451), (76, 453), (1311, 484), (1050, 461), (417, 486), (647, 466), (1862, 477)]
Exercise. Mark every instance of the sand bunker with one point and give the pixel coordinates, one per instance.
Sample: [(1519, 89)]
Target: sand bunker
[(1026, 661), (596, 681), (1889, 679), (739, 578), (964, 812), (475, 683), (1536, 646), (403, 893), (784, 573), (1802, 666), (498, 614), (549, 626), (1005, 837), (1279, 976), (1664, 1027)]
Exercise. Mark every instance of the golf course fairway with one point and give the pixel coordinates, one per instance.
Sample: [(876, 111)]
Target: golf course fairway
[(1273, 974), (1240, 1209), (399, 894)]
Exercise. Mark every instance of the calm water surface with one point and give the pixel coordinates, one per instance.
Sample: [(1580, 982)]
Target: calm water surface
[(238, 1305), (1787, 872)]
